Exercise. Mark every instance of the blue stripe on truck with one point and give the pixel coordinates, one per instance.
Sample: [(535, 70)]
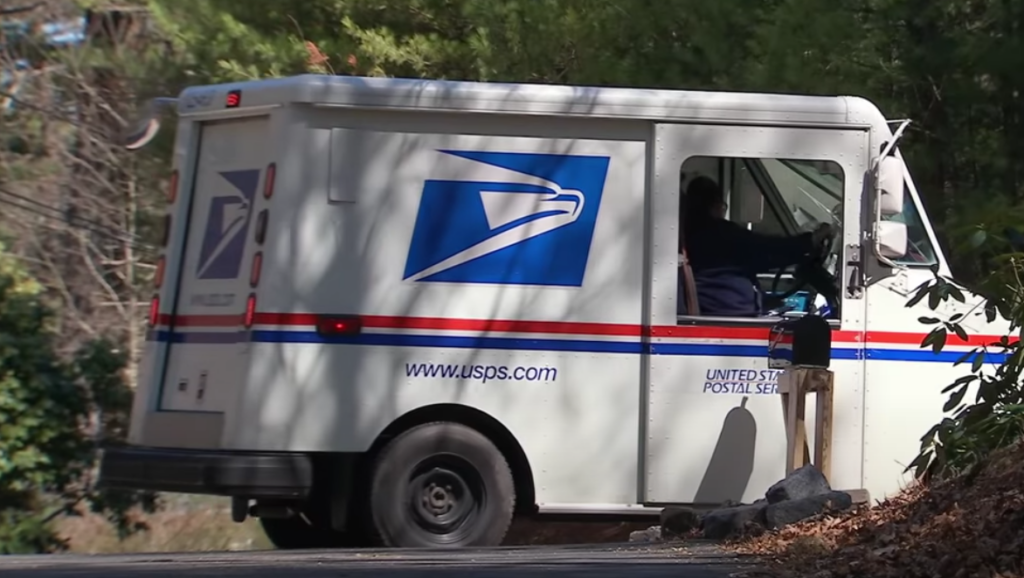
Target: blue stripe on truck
[(528, 344)]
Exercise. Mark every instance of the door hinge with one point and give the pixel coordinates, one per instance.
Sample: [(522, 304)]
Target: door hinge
[(854, 273)]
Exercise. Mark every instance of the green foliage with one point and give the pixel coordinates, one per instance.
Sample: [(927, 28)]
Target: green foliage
[(39, 399), (982, 237), (216, 41), (985, 235), (53, 415), (23, 532), (995, 417), (638, 43)]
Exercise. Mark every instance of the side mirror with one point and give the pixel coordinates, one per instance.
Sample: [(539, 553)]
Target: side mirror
[(889, 182), (891, 239), (142, 134), (148, 125)]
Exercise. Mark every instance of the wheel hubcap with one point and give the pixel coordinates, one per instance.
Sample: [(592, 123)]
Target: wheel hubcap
[(445, 494), (437, 500)]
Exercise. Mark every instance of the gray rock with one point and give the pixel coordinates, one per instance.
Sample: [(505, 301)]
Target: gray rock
[(652, 534), (792, 511), (800, 483), (676, 521), (720, 524)]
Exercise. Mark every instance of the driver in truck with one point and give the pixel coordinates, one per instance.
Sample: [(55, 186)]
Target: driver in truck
[(725, 257)]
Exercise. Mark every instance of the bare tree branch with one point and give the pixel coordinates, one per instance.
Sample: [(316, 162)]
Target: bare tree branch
[(87, 249), (70, 309), (77, 204)]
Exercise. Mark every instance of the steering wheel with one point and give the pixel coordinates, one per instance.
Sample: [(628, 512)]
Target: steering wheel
[(811, 272)]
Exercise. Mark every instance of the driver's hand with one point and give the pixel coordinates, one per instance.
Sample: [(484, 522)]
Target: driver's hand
[(823, 232)]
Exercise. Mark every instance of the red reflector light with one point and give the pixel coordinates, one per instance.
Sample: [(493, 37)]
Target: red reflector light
[(172, 188), (339, 325), (233, 99), (154, 311), (250, 310), (158, 277), (257, 264), (268, 182)]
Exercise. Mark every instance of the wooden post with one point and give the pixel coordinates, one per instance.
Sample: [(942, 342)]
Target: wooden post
[(823, 424), (794, 385)]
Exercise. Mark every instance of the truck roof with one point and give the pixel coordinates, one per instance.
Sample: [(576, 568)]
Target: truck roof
[(534, 99)]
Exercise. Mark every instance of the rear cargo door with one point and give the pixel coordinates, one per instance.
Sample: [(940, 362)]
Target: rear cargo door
[(207, 359)]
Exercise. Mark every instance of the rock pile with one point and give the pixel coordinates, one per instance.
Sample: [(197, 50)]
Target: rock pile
[(802, 494)]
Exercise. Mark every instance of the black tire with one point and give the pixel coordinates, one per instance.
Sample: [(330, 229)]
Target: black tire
[(296, 533), (441, 485)]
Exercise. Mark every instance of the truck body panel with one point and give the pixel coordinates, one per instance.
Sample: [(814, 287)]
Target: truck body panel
[(513, 249)]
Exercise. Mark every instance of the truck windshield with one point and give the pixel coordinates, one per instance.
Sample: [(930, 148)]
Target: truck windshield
[(920, 251), (811, 190), (813, 193)]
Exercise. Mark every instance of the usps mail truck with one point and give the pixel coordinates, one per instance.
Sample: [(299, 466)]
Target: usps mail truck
[(405, 311)]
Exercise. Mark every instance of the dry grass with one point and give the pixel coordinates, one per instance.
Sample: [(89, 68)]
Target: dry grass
[(185, 525), (203, 524)]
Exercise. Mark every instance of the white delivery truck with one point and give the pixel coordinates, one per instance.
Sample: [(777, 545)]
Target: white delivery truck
[(409, 310)]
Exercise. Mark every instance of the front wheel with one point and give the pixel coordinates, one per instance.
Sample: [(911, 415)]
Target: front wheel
[(441, 485)]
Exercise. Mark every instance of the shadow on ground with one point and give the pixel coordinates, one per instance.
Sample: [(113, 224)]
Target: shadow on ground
[(527, 532)]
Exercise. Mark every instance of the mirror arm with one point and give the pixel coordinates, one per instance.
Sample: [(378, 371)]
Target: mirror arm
[(892, 143)]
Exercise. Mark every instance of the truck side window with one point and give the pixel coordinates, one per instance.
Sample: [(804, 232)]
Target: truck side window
[(767, 196)]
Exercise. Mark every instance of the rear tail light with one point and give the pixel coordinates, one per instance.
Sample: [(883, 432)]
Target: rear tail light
[(254, 274), (268, 182), (154, 311), (158, 277), (346, 325), (172, 188), (233, 99), (250, 311)]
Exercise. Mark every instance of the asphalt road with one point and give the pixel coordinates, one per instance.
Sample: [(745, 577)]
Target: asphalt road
[(625, 561)]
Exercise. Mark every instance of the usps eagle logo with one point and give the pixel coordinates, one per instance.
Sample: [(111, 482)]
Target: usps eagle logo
[(227, 224), (523, 219)]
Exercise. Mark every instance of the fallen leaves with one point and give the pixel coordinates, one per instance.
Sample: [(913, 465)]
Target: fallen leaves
[(969, 527)]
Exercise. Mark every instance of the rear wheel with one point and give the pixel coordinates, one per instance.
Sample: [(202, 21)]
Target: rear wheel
[(441, 485)]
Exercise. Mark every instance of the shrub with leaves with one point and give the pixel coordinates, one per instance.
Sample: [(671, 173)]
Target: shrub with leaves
[(53, 416), (995, 417)]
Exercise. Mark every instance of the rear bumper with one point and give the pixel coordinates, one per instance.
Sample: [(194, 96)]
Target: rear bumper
[(224, 473)]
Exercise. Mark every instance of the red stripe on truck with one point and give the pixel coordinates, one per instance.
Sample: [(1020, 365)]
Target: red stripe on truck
[(556, 328)]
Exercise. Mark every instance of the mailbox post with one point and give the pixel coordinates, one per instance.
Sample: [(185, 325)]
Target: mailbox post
[(802, 349)]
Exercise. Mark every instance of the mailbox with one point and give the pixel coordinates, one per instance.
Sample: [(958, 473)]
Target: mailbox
[(805, 341)]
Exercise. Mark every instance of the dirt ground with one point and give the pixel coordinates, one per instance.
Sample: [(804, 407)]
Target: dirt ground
[(203, 524), (967, 527)]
